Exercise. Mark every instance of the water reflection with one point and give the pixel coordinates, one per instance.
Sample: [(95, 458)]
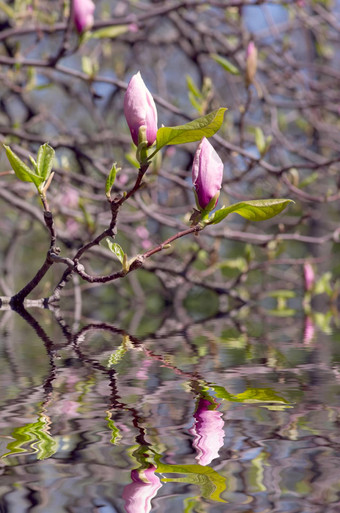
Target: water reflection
[(211, 415), (138, 494), (208, 431)]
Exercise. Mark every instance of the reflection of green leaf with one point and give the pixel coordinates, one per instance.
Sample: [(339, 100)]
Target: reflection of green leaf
[(116, 436), (192, 505), (251, 395), (281, 293), (211, 483), (323, 285), (323, 321), (256, 476), (118, 354), (259, 395), (206, 126), (37, 436), (254, 210), (282, 312)]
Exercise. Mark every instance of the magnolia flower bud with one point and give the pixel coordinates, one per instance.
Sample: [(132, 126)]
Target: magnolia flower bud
[(140, 110), (208, 431), (251, 63), (83, 14), (207, 175), (144, 487)]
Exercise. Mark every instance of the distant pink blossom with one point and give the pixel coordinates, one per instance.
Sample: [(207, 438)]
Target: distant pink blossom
[(83, 14), (72, 227), (123, 178), (146, 244), (143, 233), (208, 431), (133, 27), (144, 487), (70, 197)]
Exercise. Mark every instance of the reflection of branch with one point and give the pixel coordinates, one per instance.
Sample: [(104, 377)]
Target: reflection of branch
[(49, 346)]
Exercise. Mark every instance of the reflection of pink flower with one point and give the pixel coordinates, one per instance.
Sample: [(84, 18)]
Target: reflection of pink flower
[(67, 408), (142, 373), (144, 487), (309, 331), (309, 275), (208, 432)]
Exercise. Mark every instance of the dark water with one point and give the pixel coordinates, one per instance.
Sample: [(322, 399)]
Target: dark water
[(222, 415)]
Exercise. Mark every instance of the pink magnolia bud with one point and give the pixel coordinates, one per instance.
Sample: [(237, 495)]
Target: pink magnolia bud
[(251, 63), (83, 14), (140, 110), (144, 487), (207, 174), (308, 275), (208, 432)]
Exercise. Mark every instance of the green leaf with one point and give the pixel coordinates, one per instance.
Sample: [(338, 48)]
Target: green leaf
[(254, 210), (193, 88), (111, 179), (34, 164), (86, 65), (7, 10), (226, 65), (110, 32), (206, 126), (45, 159), (22, 171), (309, 180), (117, 250), (132, 159), (196, 104), (260, 141)]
